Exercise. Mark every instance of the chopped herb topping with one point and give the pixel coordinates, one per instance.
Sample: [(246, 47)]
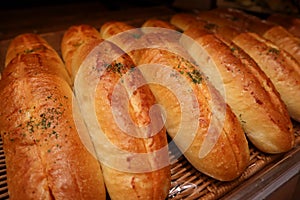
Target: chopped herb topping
[(115, 67), (27, 51), (241, 120), (233, 49), (136, 35), (274, 50), (77, 44), (210, 26), (196, 76)]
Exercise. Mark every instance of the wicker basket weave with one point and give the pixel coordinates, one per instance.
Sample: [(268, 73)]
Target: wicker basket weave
[(187, 182)]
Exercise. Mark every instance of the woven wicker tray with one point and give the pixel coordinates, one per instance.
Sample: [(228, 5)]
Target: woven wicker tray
[(187, 182)]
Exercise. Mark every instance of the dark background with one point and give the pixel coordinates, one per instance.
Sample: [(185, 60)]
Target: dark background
[(110, 4)]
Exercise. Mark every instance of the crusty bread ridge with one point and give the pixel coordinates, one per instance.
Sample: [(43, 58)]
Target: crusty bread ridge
[(121, 182), (291, 23), (45, 157), (72, 41), (276, 63), (248, 91), (275, 33), (231, 142)]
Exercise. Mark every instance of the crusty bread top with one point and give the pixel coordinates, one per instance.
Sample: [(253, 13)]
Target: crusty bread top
[(291, 23), (34, 44), (44, 154), (122, 110), (74, 38), (235, 160), (159, 24), (161, 50)]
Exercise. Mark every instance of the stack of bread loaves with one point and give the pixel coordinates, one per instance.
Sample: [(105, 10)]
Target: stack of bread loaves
[(88, 126)]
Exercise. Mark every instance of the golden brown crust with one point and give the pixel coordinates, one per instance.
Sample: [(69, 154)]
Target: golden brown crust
[(159, 24), (259, 100), (184, 20), (284, 40), (45, 157), (276, 63), (249, 100), (238, 18), (31, 43), (154, 182), (276, 34), (291, 23), (77, 37), (107, 31), (232, 143), (187, 21)]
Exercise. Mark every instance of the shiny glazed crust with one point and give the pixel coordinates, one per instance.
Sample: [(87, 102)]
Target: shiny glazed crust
[(291, 23), (154, 182), (247, 90), (231, 143), (279, 66), (275, 33), (276, 63), (72, 41), (45, 157)]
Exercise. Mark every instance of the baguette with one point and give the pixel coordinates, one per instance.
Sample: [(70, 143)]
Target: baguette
[(276, 63), (248, 91), (128, 177), (78, 41), (28, 44), (275, 33), (159, 24), (291, 23), (45, 157), (226, 136)]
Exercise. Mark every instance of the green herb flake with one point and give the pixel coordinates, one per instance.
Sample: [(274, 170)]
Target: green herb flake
[(116, 68), (77, 44), (233, 49), (210, 26), (27, 51), (274, 51), (136, 35), (196, 76)]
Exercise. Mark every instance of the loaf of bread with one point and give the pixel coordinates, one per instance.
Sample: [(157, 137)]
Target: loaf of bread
[(27, 44), (276, 63), (90, 36), (248, 91), (275, 33), (45, 157), (159, 24), (178, 84), (291, 23), (126, 117)]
